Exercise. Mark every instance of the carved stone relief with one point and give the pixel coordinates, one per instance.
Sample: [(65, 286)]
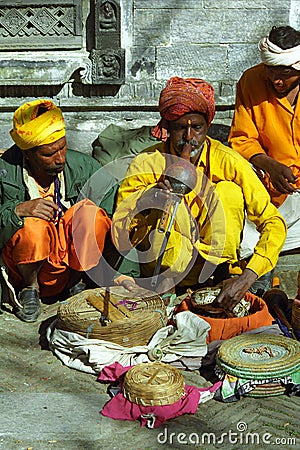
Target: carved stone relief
[(107, 16), (56, 27), (33, 24), (107, 66), (108, 58)]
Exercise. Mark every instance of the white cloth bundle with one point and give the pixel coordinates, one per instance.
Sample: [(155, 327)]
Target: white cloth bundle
[(272, 55), (186, 339)]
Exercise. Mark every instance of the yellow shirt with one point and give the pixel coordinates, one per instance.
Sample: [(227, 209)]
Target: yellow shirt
[(263, 123), (187, 233)]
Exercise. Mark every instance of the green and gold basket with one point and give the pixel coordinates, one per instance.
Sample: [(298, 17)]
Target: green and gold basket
[(264, 359)]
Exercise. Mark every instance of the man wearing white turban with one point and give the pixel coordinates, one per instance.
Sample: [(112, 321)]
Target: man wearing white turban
[(266, 127)]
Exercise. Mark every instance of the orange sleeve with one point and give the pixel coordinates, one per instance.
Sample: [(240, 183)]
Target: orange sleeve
[(244, 134), (264, 123)]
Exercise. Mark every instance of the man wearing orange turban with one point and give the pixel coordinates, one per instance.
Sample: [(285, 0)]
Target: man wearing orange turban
[(50, 231), (182, 202), (182, 96)]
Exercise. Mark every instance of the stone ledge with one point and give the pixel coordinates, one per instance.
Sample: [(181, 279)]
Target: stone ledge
[(40, 68)]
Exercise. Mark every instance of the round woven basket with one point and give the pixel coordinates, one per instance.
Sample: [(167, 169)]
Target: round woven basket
[(260, 357), (110, 315), (153, 384), (267, 390), (296, 316)]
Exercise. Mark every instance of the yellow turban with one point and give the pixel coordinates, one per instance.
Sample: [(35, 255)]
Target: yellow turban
[(37, 123)]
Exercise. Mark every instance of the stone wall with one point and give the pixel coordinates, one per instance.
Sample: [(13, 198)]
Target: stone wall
[(212, 39)]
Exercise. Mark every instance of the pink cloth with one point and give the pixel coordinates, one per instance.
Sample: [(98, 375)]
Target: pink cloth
[(153, 416), (113, 372)]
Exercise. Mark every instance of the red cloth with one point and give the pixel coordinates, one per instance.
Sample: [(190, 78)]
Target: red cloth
[(182, 96), (122, 409)]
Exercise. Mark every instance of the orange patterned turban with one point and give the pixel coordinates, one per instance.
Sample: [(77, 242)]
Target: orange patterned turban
[(182, 96), (37, 123)]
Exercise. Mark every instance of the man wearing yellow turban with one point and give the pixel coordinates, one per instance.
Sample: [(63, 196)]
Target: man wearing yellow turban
[(196, 237), (51, 232)]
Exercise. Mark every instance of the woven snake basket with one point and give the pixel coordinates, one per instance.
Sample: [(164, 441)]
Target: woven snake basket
[(153, 384), (262, 358), (114, 314)]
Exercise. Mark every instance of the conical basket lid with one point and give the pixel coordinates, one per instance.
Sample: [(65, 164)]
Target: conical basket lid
[(259, 356), (153, 384)]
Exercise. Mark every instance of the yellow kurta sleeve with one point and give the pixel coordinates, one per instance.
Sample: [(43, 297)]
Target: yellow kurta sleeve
[(226, 164), (269, 224), (139, 178), (133, 227)]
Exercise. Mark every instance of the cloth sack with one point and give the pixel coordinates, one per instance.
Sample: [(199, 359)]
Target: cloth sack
[(187, 338), (221, 329), (115, 143)]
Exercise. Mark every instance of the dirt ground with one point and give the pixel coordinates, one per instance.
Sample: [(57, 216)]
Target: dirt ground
[(46, 405)]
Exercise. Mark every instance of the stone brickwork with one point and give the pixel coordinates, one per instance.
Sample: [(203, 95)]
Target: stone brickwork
[(212, 39)]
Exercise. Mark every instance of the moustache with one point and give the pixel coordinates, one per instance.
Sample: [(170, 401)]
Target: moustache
[(56, 169), (192, 142)]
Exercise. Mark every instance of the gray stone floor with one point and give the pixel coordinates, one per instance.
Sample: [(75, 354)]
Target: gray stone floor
[(45, 405)]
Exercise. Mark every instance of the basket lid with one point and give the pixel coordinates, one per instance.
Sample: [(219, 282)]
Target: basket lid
[(259, 356), (105, 313), (153, 384)]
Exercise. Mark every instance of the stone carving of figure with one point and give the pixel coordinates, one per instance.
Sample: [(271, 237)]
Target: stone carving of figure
[(109, 66), (107, 19)]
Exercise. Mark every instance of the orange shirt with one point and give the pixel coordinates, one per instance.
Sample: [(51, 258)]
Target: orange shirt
[(49, 194), (263, 123)]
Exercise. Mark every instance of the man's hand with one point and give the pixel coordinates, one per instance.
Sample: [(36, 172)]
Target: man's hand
[(39, 207), (155, 197), (234, 289), (281, 175), (126, 281)]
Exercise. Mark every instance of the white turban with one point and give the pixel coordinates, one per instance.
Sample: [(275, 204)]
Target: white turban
[(272, 55)]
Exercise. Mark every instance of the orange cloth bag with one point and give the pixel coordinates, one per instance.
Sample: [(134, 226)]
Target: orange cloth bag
[(227, 328)]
